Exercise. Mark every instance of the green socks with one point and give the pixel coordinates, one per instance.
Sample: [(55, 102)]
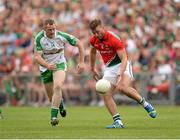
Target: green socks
[(54, 112)]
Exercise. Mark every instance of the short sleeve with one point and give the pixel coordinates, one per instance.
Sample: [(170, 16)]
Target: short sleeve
[(37, 41), (37, 44)]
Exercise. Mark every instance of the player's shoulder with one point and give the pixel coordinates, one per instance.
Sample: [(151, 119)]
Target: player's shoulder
[(39, 35)]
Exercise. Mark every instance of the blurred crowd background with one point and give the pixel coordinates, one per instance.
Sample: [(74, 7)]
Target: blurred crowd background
[(150, 30)]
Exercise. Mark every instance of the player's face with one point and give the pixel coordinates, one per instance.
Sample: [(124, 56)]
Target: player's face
[(50, 30), (99, 32)]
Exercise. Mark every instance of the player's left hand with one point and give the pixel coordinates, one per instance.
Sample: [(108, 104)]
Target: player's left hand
[(80, 67)]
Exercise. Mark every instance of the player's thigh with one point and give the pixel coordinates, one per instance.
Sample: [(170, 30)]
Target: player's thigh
[(59, 77), (47, 79), (126, 81)]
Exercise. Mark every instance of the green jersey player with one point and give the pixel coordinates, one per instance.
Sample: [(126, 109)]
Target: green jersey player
[(49, 54)]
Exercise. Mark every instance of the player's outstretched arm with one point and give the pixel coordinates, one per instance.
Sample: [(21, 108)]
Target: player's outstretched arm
[(123, 56), (92, 63), (81, 65), (92, 58)]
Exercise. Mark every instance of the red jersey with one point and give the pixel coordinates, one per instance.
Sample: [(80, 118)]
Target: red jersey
[(108, 47)]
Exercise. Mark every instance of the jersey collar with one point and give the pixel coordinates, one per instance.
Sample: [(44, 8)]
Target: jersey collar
[(105, 37)]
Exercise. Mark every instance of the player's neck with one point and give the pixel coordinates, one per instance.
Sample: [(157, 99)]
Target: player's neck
[(49, 37), (103, 36)]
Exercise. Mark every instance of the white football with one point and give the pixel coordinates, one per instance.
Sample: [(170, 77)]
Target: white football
[(102, 86)]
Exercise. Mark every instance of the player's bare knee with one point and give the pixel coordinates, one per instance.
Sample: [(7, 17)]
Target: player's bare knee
[(57, 87)]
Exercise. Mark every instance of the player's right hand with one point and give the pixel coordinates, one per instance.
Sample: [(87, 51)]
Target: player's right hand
[(51, 67), (80, 67), (95, 74)]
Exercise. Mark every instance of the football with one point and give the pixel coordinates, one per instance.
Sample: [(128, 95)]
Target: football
[(102, 86)]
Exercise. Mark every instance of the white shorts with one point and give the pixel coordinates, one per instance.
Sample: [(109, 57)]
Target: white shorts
[(110, 73)]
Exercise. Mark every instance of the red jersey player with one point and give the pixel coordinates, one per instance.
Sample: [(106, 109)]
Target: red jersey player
[(118, 70)]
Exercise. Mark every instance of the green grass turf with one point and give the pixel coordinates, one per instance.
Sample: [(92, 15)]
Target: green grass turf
[(90, 122)]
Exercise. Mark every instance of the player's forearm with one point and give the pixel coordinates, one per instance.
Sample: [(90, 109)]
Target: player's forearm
[(92, 58), (123, 66), (123, 56), (40, 60), (81, 52)]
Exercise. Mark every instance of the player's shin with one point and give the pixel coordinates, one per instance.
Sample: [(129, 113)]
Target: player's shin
[(56, 98)]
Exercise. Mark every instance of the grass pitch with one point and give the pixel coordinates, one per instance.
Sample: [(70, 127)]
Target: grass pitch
[(90, 122)]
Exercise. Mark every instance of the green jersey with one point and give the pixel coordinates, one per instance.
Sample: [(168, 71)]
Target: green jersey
[(53, 49)]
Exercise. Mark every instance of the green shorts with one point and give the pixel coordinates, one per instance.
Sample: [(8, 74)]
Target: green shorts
[(47, 76)]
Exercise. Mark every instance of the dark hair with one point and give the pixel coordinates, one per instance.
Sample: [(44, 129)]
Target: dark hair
[(49, 21), (94, 23)]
